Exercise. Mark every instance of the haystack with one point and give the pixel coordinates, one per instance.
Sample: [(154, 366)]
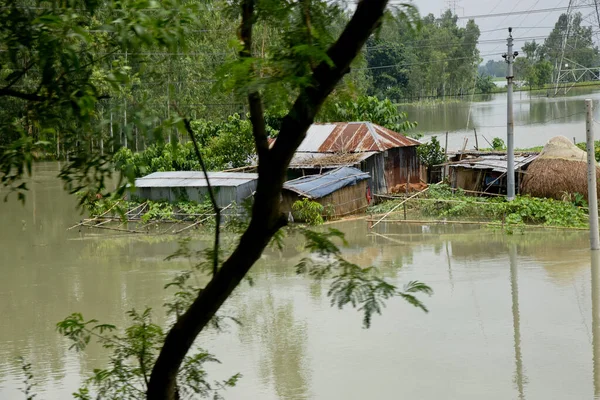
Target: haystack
[(560, 169)]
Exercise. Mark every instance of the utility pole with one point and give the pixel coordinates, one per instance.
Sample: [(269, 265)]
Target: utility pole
[(591, 175), (510, 142)]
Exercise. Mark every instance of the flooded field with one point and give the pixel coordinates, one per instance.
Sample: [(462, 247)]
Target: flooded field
[(538, 117), (511, 316)]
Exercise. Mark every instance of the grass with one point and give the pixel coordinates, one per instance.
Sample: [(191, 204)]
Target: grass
[(441, 202)]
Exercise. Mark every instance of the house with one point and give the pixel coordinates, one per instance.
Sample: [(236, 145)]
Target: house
[(485, 172), (176, 186), (341, 191), (387, 156)]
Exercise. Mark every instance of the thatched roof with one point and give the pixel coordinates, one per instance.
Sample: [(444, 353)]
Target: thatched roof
[(560, 168)]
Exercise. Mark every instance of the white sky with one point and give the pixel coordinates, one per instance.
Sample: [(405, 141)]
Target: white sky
[(528, 25)]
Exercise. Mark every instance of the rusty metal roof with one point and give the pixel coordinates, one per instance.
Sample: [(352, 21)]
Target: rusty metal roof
[(352, 137), (327, 160)]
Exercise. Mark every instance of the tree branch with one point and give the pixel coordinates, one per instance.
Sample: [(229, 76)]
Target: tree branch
[(365, 20), (211, 194), (20, 95), (257, 117), (266, 216)]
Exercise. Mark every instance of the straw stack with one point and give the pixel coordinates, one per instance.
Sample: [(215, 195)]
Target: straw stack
[(560, 169)]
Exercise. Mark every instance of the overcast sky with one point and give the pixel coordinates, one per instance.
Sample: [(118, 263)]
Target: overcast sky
[(529, 25)]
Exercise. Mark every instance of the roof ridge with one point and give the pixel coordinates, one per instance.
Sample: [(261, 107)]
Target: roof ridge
[(374, 134)]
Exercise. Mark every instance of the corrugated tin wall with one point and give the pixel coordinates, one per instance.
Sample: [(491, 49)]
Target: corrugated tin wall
[(401, 166)]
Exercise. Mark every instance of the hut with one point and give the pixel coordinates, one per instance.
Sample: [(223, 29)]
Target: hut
[(175, 186), (341, 191), (561, 169), (387, 156), (486, 172)]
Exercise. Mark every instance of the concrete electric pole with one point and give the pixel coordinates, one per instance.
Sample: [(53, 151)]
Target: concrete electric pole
[(510, 142)]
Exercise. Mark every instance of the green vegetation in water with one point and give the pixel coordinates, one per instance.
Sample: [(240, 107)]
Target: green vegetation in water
[(522, 211), (147, 210)]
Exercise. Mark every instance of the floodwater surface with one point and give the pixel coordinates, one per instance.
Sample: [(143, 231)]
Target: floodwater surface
[(537, 116), (511, 316)]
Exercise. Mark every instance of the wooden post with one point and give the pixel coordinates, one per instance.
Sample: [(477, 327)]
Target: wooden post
[(591, 164), (476, 141)]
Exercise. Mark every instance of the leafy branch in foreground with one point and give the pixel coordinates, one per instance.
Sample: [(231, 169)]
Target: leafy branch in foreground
[(363, 288), (133, 355)]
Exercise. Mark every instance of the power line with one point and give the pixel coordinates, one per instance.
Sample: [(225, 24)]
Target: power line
[(539, 10)]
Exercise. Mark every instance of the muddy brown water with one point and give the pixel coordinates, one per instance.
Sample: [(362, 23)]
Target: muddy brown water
[(511, 316), (538, 117)]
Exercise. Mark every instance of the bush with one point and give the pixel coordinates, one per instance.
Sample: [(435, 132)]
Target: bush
[(308, 211)]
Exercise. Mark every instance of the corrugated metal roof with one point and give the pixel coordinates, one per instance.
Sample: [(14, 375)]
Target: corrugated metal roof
[(194, 179), (352, 137), (496, 163), (317, 186), (327, 160)]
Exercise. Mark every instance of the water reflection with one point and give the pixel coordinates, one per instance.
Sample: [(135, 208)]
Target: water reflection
[(595, 266), (280, 339), (514, 290)]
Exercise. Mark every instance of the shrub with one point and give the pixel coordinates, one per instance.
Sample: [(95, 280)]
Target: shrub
[(308, 211)]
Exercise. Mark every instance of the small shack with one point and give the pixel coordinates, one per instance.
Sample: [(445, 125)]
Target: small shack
[(176, 186), (389, 157), (342, 191), (559, 171), (486, 172)]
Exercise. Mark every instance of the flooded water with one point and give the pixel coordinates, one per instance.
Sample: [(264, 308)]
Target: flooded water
[(511, 316), (538, 117)]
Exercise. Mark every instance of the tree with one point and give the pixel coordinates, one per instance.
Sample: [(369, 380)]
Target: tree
[(431, 154), (485, 84), (369, 108), (300, 67), (266, 218)]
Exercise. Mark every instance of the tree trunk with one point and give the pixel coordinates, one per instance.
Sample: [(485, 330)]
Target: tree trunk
[(266, 218)]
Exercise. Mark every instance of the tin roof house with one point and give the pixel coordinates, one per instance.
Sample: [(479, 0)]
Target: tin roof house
[(341, 191), (485, 172), (173, 186), (387, 156)]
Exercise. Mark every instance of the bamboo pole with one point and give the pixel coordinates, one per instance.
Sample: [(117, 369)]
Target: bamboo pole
[(398, 205)]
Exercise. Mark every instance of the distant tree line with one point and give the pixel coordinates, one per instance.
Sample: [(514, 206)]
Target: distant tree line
[(538, 64)]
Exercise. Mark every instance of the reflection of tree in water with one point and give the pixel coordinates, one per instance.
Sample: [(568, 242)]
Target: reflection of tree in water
[(270, 324)]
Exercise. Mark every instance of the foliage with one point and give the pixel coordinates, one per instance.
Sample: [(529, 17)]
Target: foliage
[(454, 204), (484, 84), (583, 146), (579, 47), (227, 144), (362, 288), (494, 68), (371, 109), (308, 211), (439, 59), (498, 144), (133, 354), (431, 153), (111, 75), (148, 210), (59, 65)]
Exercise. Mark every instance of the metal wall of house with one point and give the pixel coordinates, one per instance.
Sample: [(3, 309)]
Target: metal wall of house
[(402, 166), (374, 166), (224, 195)]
